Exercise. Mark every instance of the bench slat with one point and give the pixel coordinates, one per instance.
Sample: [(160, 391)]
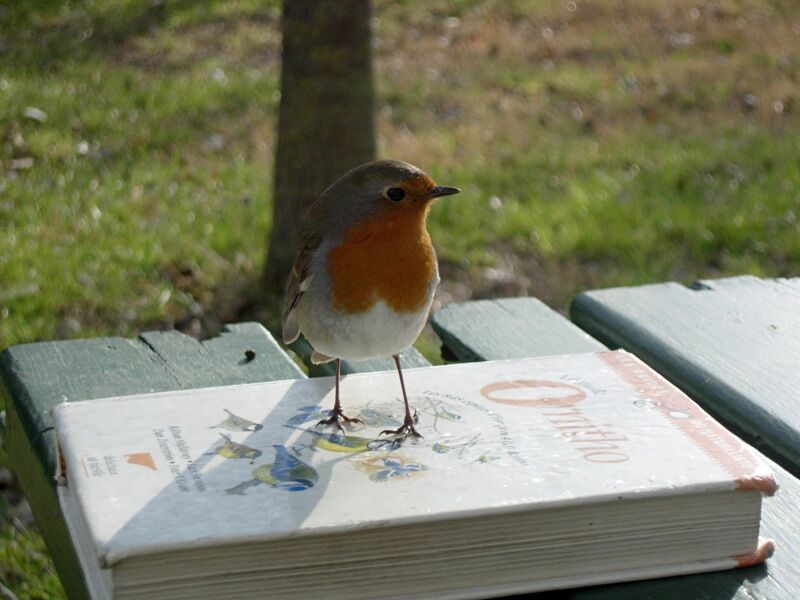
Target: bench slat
[(732, 344), (39, 376), (779, 578), (36, 377), (508, 328)]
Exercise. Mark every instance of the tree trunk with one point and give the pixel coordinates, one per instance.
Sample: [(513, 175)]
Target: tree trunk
[(325, 122)]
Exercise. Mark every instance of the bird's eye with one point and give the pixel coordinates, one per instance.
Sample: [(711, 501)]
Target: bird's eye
[(396, 194)]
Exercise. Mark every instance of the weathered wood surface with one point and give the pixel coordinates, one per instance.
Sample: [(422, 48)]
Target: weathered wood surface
[(507, 328), (778, 579), (732, 344), (37, 482), (36, 377), (39, 376), (159, 361)]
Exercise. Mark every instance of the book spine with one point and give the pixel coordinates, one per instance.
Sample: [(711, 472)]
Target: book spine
[(763, 551), (61, 463)]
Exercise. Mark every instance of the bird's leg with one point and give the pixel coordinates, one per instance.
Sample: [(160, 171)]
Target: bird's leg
[(407, 428), (337, 416)]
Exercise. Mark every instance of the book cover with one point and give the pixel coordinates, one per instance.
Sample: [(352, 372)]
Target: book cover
[(233, 464)]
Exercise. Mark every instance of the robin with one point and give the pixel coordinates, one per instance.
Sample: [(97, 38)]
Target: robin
[(363, 281)]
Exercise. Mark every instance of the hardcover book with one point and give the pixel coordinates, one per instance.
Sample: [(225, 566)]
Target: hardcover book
[(533, 474)]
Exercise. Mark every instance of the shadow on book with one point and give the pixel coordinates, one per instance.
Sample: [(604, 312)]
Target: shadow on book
[(252, 462)]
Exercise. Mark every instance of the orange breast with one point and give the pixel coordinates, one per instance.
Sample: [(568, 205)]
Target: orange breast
[(389, 258)]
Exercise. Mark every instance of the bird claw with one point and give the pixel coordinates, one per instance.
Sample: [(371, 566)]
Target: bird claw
[(405, 430), (337, 417)]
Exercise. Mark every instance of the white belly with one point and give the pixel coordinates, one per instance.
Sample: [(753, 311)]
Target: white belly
[(375, 333)]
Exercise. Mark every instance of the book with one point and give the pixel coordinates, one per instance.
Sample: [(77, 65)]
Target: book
[(533, 474)]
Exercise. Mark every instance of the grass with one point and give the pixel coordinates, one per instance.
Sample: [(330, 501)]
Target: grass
[(597, 144), (25, 567)]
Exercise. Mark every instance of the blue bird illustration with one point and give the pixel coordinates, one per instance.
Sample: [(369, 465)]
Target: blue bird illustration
[(291, 473), (306, 414), (394, 468), (287, 473), (383, 469)]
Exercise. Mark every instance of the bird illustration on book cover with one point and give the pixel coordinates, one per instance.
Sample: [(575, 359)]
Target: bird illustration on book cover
[(287, 473), (306, 414), (336, 442), (236, 423), (470, 448), (439, 409), (235, 450), (390, 467), (378, 416)]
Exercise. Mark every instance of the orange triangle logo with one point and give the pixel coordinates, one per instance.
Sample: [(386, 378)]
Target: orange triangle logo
[(141, 458)]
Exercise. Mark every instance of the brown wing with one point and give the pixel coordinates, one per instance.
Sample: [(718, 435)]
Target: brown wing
[(301, 273)]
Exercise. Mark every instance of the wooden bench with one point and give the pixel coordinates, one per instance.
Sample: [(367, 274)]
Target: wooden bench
[(35, 377), (731, 344)]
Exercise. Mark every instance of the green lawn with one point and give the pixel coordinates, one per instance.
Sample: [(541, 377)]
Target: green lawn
[(597, 144)]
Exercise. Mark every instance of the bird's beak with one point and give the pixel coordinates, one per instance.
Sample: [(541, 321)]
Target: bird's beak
[(442, 190)]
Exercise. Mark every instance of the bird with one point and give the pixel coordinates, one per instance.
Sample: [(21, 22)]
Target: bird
[(305, 414), (231, 449), (236, 423), (334, 442), (291, 473), (363, 280), (287, 473)]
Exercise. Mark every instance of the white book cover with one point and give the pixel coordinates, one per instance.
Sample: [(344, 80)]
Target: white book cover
[(202, 467)]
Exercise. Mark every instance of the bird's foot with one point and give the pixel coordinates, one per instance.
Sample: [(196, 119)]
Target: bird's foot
[(405, 430), (338, 418)]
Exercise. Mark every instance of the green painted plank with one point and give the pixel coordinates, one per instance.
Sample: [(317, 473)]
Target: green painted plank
[(39, 376), (732, 344), (36, 377), (223, 360), (41, 494), (409, 359), (779, 579), (507, 328)]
